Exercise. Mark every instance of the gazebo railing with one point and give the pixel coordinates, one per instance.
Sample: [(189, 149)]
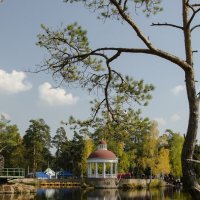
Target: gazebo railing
[(102, 176)]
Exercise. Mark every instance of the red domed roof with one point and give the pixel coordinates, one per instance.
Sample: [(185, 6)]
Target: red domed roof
[(102, 154)]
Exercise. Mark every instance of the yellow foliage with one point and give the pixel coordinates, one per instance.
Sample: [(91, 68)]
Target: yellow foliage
[(163, 162)]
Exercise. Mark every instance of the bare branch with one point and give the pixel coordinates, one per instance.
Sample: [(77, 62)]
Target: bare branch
[(125, 2), (193, 28), (193, 15), (132, 24), (97, 109), (191, 6), (167, 24), (114, 57), (195, 161), (195, 5)]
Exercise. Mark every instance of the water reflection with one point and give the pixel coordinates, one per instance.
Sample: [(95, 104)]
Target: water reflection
[(112, 194), (103, 194), (59, 194), (161, 194), (100, 194)]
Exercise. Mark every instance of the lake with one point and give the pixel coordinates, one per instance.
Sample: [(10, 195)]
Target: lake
[(101, 194)]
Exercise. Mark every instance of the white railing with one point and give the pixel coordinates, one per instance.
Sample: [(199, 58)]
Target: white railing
[(102, 176), (12, 173)]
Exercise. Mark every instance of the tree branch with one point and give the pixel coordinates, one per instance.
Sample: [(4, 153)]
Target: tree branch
[(195, 5), (114, 57), (193, 28), (167, 24), (156, 52), (151, 49), (132, 24), (195, 161), (193, 15), (97, 110)]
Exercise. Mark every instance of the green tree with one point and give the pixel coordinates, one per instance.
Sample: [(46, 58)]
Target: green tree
[(124, 134), (149, 152), (71, 58), (59, 141), (11, 144), (87, 150), (175, 148), (65, 160), (37, 142), (79, 150)]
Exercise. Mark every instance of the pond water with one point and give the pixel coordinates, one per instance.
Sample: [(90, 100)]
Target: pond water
[(101, 194)]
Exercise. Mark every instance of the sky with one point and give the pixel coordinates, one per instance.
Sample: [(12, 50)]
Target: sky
[(25, 96)]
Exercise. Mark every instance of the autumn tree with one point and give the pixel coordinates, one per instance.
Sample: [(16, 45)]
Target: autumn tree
[(74, 60), (175, 148), (163, 162), (149, 153), (87, 150)]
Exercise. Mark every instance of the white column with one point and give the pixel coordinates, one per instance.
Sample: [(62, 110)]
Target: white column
[(111, 169), (96, 170), (88, 170), (116, 169), (104, 170)]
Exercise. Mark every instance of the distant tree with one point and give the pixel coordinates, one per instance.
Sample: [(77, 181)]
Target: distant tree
[(65, 160), (149, 149), (163, 162), (175, 148), (59, 141), (87, 150), (11, 144), (76, 151), (37, 142)]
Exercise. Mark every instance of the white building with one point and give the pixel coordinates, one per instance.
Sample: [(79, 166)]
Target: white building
[(50, 172), (102, 163)]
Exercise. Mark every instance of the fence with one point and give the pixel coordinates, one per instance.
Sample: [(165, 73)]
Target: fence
[(12, 173)]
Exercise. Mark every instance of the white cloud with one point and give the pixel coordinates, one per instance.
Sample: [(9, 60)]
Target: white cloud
[(14, 82), (161, 121), (179, 88), (55, 96), (175, 117), (5, 115)]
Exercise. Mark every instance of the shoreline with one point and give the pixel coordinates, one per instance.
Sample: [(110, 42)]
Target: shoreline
[(30, 185)]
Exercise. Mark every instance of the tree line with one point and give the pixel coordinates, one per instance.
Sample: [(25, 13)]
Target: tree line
[(138, 145)]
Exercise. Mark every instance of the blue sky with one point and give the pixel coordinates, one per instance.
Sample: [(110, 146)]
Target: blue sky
[(26, 96)]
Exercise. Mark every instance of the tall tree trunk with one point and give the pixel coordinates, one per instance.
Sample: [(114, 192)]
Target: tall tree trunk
[(189, 177)]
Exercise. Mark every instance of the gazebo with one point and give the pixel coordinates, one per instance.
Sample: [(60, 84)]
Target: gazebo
[(102, 163)]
